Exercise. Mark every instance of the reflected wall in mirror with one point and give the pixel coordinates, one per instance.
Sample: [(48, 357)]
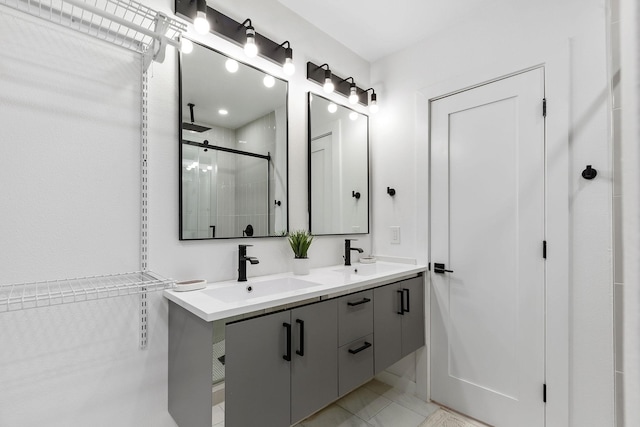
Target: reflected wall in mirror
[(233, 149), (338, 168)]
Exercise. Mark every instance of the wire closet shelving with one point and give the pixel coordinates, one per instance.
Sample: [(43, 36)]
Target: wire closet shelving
[(124, 23), (22, 296)]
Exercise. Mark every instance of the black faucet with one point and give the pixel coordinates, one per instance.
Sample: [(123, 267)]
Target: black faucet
[(348, 249), (242, 262)]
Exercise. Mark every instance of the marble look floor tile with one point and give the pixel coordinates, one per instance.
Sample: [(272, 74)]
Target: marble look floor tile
[(397, 416), (364, 403), (407, 400), (217, 415), (334, 416)]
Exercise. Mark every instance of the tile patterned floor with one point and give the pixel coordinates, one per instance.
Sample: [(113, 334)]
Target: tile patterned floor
[(375, 404)]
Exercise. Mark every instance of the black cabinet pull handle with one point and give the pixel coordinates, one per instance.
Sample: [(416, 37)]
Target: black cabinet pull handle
[(439, 268), (364, 346), (301, 351), (287, 356), (364, 300), (406, 310), (401, 301)]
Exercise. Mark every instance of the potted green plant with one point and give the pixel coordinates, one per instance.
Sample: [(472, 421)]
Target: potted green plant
[(300, 240)]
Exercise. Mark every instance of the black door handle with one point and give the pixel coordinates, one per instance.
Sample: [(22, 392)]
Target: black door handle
[(287, 356), (406, 310), (440, 268), (364, 346), (399, 291), (301, 351), (363, 301)]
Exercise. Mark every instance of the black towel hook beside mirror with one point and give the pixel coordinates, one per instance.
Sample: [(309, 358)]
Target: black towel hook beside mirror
[(589, 172)]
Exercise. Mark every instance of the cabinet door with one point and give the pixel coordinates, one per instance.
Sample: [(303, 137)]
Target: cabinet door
[(387, 326), (413, 317), (314, 366), (257, 383)]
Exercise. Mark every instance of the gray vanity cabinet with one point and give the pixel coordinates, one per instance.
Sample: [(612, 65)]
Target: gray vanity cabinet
[(281, 367), (398, 321)]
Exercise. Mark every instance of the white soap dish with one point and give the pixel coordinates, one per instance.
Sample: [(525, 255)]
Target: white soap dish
[(190, 285), (367, 259)]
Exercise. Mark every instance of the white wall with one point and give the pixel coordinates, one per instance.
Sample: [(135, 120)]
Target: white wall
[(79, 364), (506, 37)]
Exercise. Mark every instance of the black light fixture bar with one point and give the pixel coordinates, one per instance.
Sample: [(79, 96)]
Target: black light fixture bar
[(232, 30), (342, 86)]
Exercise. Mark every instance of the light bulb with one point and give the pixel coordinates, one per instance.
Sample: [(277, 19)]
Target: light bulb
[(332, 107), (353, 95), (328, 85), (223, 112), (186, 45), (231, 65), (353, 115), (288, 67), (269, 81), (201, 24), (250, 47), (374, 103)]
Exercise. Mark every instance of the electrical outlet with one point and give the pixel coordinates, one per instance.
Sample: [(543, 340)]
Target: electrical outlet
[(395, 234)]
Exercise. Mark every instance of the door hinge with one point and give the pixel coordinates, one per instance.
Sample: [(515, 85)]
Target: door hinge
[(544, 107), (544, 249), (544, 393)]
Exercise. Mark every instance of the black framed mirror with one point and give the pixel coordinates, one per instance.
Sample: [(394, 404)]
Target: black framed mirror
[(338, 168), (233, 149)]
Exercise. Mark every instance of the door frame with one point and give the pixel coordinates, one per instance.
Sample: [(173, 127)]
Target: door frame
[(557, 85)]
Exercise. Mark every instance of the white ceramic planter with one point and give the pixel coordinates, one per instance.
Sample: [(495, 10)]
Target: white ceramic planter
[(300, 266)]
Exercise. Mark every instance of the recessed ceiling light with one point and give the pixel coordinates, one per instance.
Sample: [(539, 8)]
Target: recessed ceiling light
[(231, 65)]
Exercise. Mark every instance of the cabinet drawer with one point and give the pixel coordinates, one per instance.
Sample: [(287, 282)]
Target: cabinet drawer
[(355, 364), (355, 316)]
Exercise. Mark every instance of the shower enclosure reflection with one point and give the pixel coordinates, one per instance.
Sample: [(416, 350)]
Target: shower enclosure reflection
[(214, 183), (233, 149)]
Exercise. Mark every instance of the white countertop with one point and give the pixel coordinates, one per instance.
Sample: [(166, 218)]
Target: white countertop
[(222, 300)]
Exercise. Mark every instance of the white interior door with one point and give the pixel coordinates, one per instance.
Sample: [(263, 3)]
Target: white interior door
[(487, 226), (322, 183)]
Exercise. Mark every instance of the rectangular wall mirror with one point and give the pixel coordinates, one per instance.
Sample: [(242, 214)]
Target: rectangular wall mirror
[(338, 168), (233, 149)]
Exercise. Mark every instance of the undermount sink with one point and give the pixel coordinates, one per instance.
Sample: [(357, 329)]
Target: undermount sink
[(243, 291), (366, 269)]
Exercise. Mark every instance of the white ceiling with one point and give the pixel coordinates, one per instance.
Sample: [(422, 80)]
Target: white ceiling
[(376, 28)]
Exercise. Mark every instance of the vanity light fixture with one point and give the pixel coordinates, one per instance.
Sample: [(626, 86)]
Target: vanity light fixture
[(231, 65), (373, 107), (241, 34), (353, 115), (201, 23), (328, 80), (288, 66), (332, 107), (250, 47)]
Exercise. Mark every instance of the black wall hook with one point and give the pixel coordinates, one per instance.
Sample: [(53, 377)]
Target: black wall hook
[(355, 194), (391, 191), (278, 203), (589, 172)]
